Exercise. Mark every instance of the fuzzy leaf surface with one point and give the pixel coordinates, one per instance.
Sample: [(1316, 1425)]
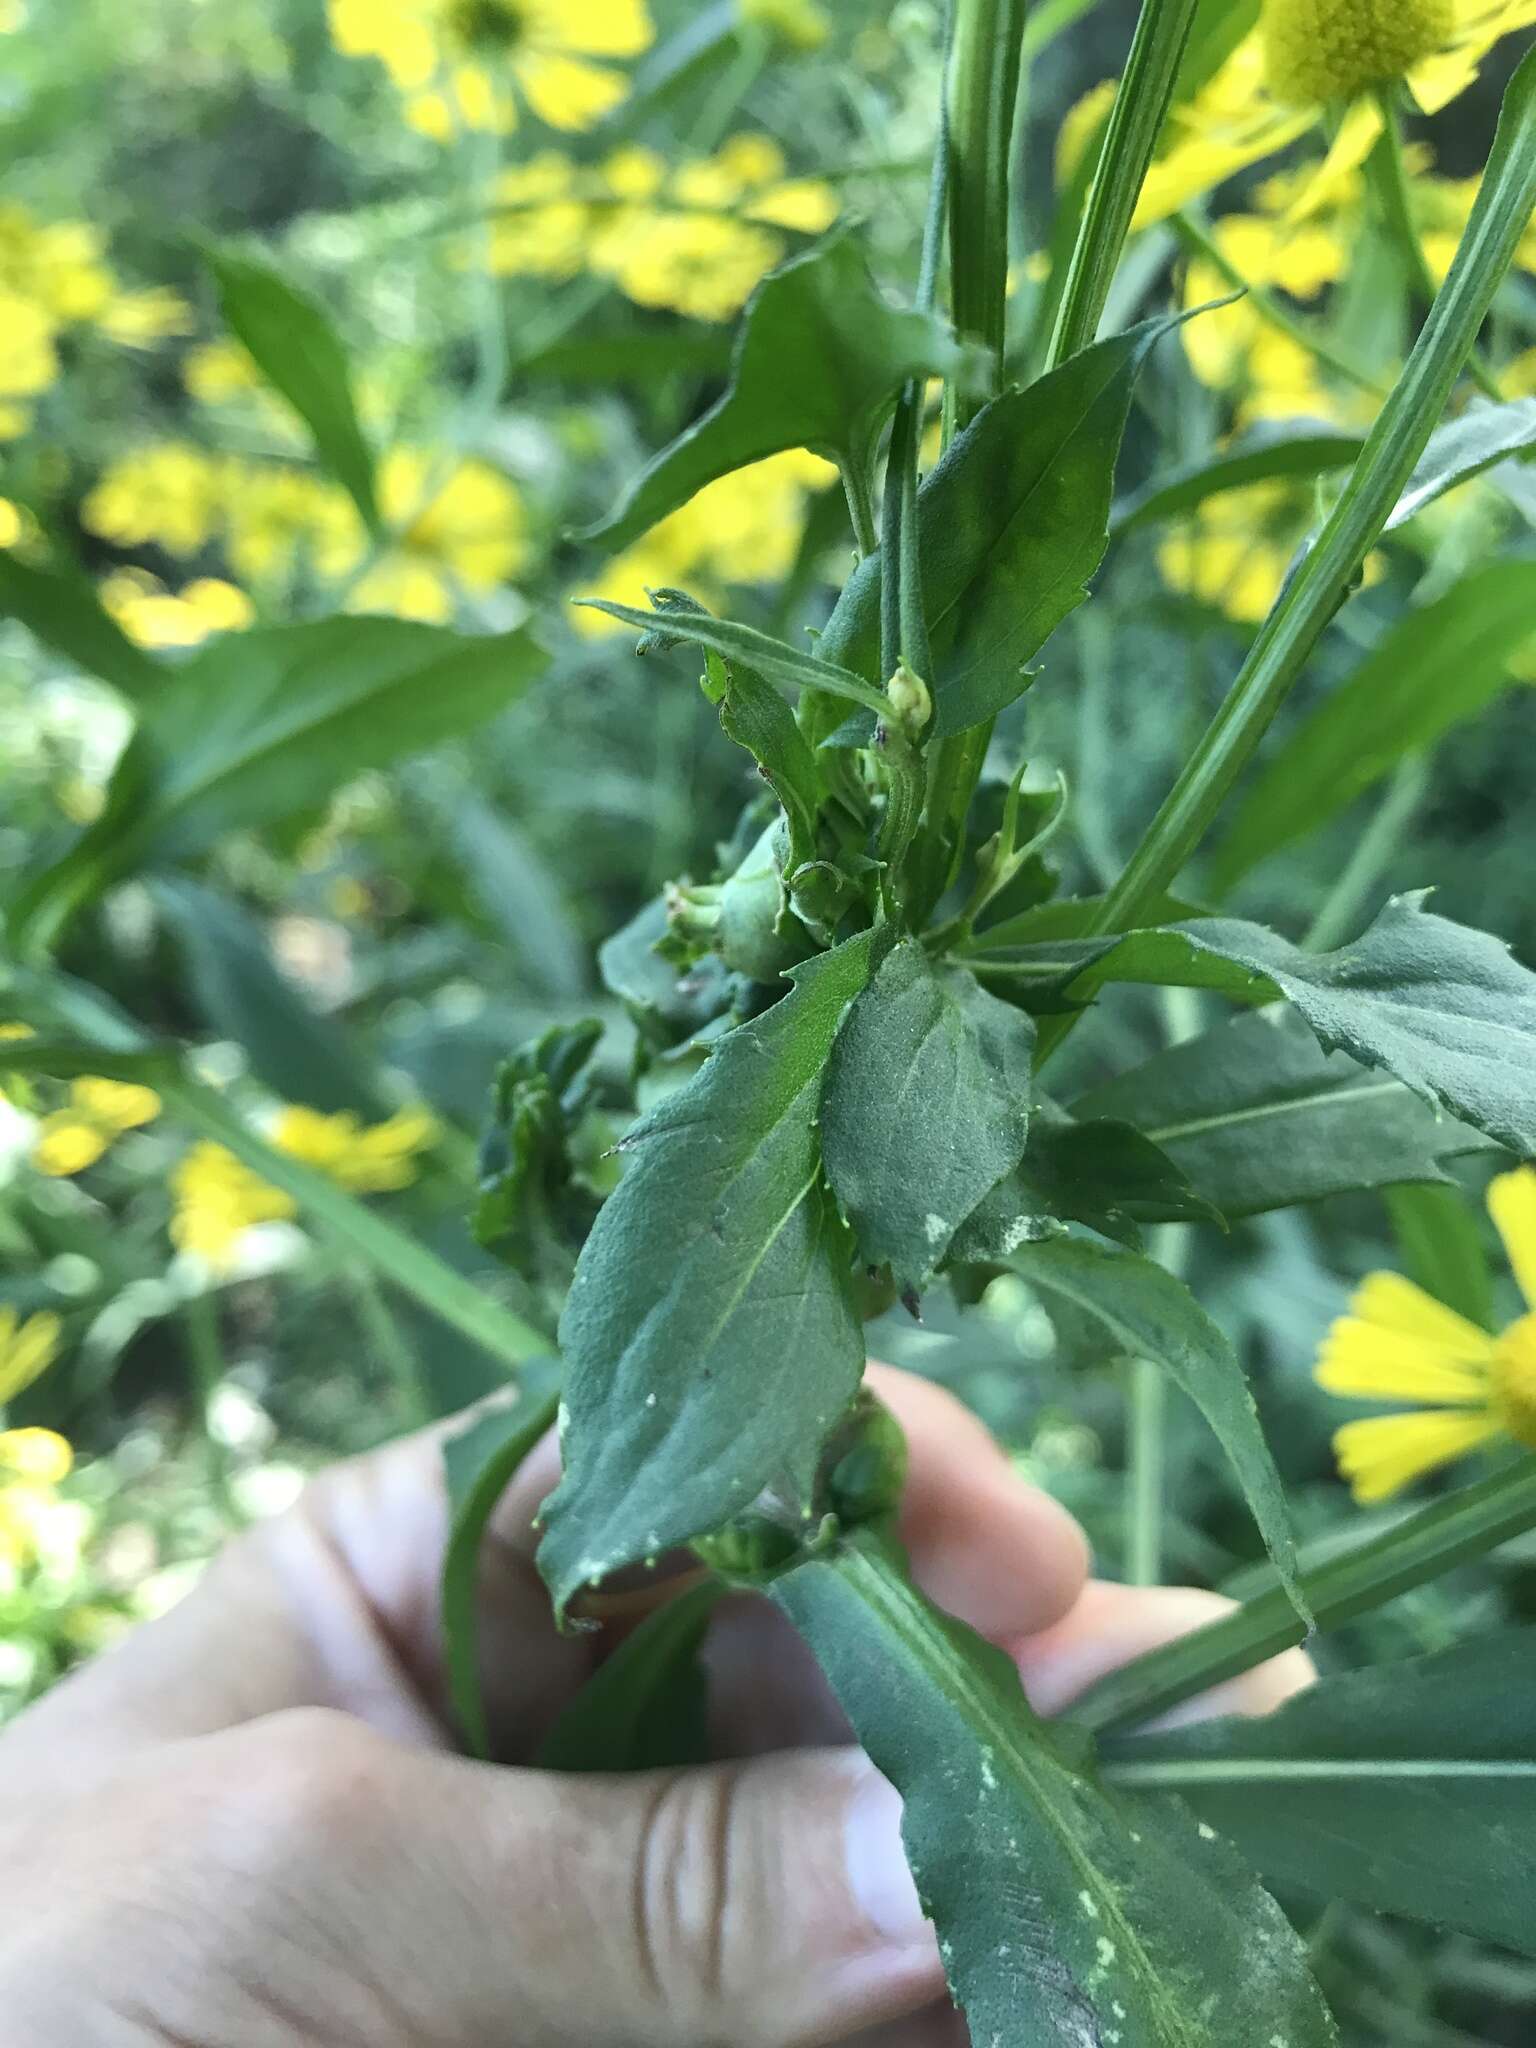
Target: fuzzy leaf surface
[(1067, 1913), (1150, 1313), (820, 356), (710, 1334), (927, 1107), (1259, 1117), (1408, 1788)]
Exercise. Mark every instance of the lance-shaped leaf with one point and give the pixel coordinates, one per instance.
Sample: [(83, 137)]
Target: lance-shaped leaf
[(820, 358), (1442, 1007), (1066, 1913), (266, 723), (1259, 1117), (646, 1707), (927, 1107), (755, 716), (748, 647), (1409, 1788), (1269, 454), (710, 1334), (479, 1464), (1435, 669), (1012, 524), (1462, 449), (290, 338), (1101, 1172), (1148, 1313)]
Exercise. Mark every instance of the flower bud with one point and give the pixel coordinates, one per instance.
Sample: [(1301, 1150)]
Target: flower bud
[(1322, 50), (911, 705)]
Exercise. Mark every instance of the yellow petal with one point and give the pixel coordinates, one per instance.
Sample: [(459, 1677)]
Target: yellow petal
[(40, 1457), (116, 1105), (1512, 1205), (1393, 1303), (1363, 1362), (67, 1145), (1385, 1453), (1331, 181), (601, 28), (25, 1352), (566, 92)]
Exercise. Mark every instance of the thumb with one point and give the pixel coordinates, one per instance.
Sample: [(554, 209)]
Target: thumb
[(764, 1903)]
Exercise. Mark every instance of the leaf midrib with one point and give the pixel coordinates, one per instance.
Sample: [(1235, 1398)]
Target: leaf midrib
[(1194, 1772)]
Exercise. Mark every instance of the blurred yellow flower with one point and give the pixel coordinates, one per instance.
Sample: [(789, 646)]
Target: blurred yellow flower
[(98, 1113), (27, 1349), (465, 529), (173, 494), (694, 239), (33, 1465), (12, 524), (273, 515), (1234, 550), (29, 361), (372, 1159), (218, 370), (156, 617), (37, 1457), (142, 317), (743, 528), (463, 64), (217, 1199), (1237, 348), (801, 23), (1308, 57), (1399, 1344)]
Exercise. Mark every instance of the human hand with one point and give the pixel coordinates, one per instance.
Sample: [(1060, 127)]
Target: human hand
[(246, 1828)]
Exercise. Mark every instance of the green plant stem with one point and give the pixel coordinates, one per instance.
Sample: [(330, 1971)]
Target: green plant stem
[(383, 1336), (1378, 843), (1416, 1551), (981, 101), (1199, 241), (205, 1351), (861, 509), (1317, 590), (1140, 109), (1389, 171), (1148, 1431)]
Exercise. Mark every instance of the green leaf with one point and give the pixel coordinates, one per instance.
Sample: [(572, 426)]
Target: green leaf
[(1106, 1174), (1409, 1788), (820, 357), (756, 717), (710, 1333), (1462, 449), (1259, 1117), (241, 994), (748, 648), (479, 1464), (268, 723), (1444, 1008), (1277, 454), (665, 1004), (60, 609), (1436, 668), (1067, 1913), (290, 338), (927, 1107), (1442, 1246), (1149, 1313), (645, 1707), (1013, 523)]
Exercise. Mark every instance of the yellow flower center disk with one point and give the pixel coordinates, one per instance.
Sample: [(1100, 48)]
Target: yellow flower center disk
[(1320, 50), (1513, 1386), (488, 25)]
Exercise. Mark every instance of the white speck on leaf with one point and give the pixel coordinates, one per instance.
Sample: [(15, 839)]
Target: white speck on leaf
[(936, 1228)]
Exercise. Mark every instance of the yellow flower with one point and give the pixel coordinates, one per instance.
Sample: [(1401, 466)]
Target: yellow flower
[(12, 524), (139, 318), (743, 528), (1399, 1344), (273, 515), (1307, 56), (695, 240), (29, 361), (462, 64), (157, 617), (98, 1113), (1234, 550), (373, 1160), (37, 1457), (801, 23), (216, 1199), (173, 495), (27, 1349), (465, 529), (33, 1464)]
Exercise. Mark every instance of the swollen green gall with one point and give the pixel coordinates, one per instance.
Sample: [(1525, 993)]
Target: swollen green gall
[(1322, 50)]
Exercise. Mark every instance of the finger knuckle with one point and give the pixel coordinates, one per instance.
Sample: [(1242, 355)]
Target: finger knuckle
[(688, 1896), (313, 1774)]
